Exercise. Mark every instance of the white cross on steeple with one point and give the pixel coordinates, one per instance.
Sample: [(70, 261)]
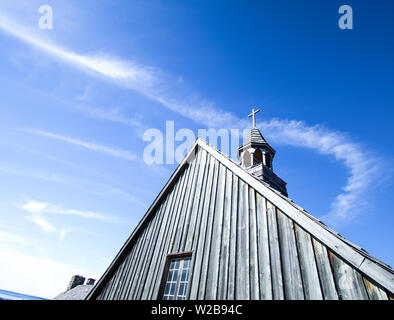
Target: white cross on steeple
[(252, 115)]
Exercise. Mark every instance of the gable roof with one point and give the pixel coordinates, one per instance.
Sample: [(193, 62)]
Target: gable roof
[(354, 255), (78, 293)]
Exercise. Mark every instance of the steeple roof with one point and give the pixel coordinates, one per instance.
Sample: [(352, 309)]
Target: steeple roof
[(254, 136), (256, 139)]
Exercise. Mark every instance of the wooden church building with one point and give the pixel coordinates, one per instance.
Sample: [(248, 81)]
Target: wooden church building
[(224, 230)]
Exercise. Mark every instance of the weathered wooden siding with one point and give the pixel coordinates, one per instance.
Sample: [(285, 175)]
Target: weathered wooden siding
[(243, 247)]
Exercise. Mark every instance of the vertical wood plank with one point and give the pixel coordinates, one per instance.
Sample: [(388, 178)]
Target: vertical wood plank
[(374, 291), (325, 274), (138, 264), (253, 253), (195, 232), (104, 292), (347, 281), (289, 257), (154, 247), (143, 261), (208, 239), (186, 198), (214, 253), (199, 192), (137, 268), (150, 248), (189, 211), (263, 249), (199, 242), (310, 276), (129, 260), (114, 285), (233, 239), (138, 245), (120, 280), (361, 285), (158, 244), (225, 248), (178, 211), (131, 257), (242, 291), (276, 267)]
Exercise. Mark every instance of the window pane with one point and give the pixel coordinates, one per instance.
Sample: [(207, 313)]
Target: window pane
[(181, 290), (184, 275), (186, 264), (175, 275), (172, 289)]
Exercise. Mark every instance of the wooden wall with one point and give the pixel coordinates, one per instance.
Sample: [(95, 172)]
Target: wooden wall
[(242, 246)]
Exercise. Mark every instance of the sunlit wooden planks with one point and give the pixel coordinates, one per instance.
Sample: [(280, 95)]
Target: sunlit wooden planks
[(200, 239), (233, 239), (348, 281), (326, 277), (310, 276), (290, 264), (263, 249), (276, 263), (224, 257), (374, 292), (242, 245), (242, 291)]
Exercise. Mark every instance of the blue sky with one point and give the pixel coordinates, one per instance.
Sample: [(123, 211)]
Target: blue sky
[(76, 101)]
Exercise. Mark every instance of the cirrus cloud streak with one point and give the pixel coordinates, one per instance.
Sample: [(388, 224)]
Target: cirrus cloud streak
[(164, 89)]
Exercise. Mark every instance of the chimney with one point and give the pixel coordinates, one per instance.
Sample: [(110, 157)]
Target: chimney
[(76, 280), (90, 282)]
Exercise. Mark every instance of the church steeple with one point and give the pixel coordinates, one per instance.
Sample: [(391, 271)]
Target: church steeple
[(256, 156)]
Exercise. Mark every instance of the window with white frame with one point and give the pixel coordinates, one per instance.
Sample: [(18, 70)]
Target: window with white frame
[(177, 278)]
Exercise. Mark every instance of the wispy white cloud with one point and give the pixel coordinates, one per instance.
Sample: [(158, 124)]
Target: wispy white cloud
[(86, 93), (35, 207), (147, 81), (45, 225), (122, 154), (101, 64), (363, 167), (84, 185), (163, 89), (39, 212)]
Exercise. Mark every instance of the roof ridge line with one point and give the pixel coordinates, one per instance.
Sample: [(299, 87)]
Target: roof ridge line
[(356, 259)]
